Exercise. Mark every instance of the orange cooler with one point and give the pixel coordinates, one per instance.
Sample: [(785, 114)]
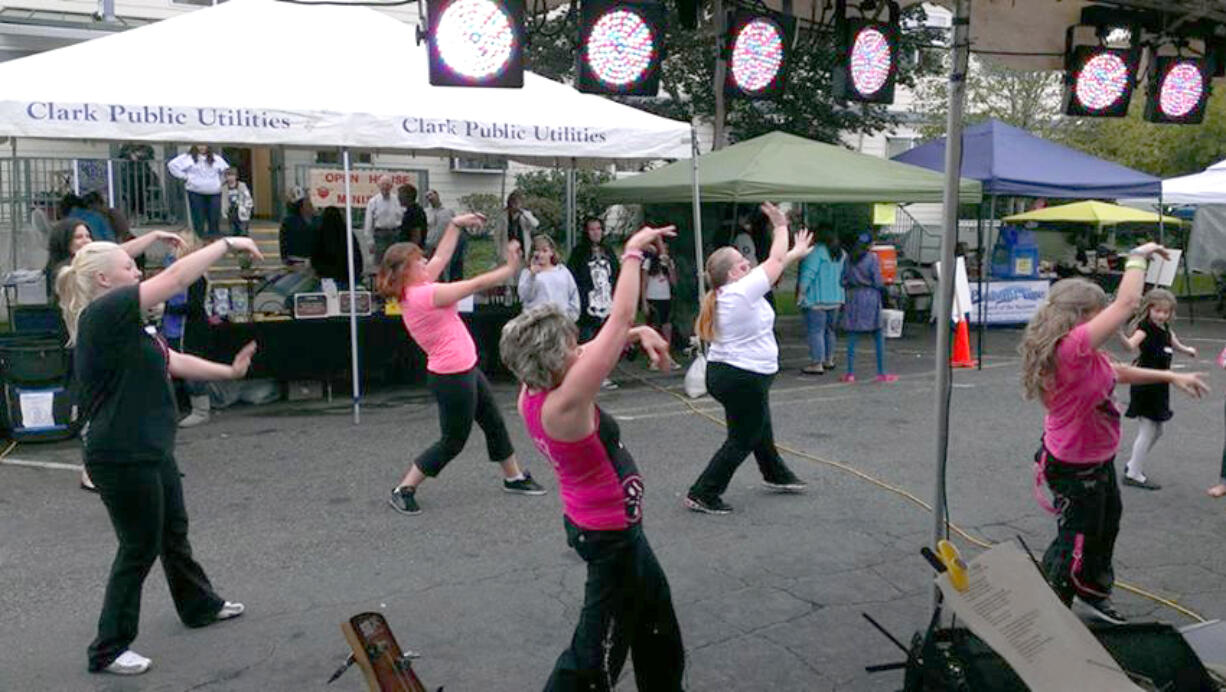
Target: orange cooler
[(888, 257)]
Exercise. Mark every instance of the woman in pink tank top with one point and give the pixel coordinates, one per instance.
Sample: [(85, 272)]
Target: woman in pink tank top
[(627, 606), (463, 394)]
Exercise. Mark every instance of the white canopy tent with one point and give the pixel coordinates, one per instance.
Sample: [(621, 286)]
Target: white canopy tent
[(314, 76)]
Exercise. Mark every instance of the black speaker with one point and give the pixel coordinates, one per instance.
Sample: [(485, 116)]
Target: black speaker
[(958, 661)]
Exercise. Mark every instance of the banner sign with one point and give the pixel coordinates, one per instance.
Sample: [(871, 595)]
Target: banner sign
[(327, 185), (1008, 302), (543, 136)]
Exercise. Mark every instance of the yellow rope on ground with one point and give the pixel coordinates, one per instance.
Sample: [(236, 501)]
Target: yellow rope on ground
[(11, 447), (902, 492)]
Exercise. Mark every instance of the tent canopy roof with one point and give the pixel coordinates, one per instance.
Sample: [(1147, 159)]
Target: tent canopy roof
[(780, 166), (324, 76), (1099, 213), (1011, 161)]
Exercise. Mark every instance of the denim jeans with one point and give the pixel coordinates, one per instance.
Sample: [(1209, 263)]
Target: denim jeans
[(820, 323), (878, 342), (205, 212)]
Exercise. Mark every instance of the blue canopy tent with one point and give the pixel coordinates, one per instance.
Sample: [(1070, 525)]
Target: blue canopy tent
[(1012, 162)]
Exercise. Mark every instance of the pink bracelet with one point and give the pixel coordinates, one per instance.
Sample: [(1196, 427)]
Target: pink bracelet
[(632, 254)]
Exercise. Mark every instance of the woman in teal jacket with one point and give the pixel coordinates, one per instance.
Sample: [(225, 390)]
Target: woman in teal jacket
[(819, 297)]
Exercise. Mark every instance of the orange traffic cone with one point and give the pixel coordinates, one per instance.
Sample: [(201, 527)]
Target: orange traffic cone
[(962, 347)]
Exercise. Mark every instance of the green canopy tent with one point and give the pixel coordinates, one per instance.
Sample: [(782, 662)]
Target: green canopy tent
[(782, 167), (779, 166)]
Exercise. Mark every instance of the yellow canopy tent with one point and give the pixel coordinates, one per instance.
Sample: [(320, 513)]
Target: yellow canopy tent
[(1097, 213)]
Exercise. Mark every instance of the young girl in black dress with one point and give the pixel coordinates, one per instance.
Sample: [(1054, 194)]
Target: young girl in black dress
[(1156, 341)]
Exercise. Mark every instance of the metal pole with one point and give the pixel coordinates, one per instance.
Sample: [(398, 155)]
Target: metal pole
[(353, 296), (1161, 220), (983, 299), (570, 207), (16, 210), (718, 21), (110, 183), (953, 171), (697, 205), (76, 177), (108, 10)]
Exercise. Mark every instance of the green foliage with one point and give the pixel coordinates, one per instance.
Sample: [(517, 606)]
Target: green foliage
[(487, 205), (1026, 99), (687, 84), (1161, 150), (545, 195)]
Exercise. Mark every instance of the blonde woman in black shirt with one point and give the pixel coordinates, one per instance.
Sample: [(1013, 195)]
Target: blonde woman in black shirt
[(124, 372)]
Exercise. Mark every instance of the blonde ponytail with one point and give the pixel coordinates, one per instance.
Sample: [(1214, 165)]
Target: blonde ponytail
[(704, 326), (75, 284), (719, 264)]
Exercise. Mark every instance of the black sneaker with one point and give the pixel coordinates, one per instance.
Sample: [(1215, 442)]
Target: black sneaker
[(1102, 609), (715, 506), (404, 500), (786, 484), (1146, 484), (523, 486)]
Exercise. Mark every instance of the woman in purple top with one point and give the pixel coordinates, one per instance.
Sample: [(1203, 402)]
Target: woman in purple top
[(862, 311), (627, 605)]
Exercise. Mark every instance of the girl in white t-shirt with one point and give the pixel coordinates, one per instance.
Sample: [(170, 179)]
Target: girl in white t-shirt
[(741, 363)]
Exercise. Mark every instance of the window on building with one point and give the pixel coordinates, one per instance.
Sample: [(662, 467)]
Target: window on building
[(479, 164), (897, 145), (332, 157)]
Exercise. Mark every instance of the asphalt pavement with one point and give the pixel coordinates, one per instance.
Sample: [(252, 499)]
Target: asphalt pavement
[(289, 513)]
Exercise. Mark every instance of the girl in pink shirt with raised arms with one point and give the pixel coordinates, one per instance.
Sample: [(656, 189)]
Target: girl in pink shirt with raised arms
[(463, 394), (627, 606), (1063, 367)]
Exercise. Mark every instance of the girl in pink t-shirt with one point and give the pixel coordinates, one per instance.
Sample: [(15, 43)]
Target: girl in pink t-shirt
[(1063, 367), (463, 394), (628, 607)]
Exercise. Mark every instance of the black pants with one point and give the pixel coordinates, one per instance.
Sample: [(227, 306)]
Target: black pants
[(1223, 475), (145, 503), (463, 398), (746, 399), (627, 607), (1078, 561)]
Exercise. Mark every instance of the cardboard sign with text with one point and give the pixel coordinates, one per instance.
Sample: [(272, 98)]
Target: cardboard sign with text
[(327, 185)]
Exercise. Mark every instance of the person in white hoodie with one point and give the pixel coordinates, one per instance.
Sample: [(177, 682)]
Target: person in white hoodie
[(201, 171), (546, 281)]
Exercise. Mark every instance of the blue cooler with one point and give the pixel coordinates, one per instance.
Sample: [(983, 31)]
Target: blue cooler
[(1016, 255)]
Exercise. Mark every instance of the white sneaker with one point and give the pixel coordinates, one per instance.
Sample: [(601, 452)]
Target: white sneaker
[(128, 663), (230, 610), (608, 384), (194, 418)]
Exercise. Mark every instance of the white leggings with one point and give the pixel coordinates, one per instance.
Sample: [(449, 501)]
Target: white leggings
[(1147, 437)]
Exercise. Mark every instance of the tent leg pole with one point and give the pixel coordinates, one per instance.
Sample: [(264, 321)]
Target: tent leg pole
[(76, 177), (16, 211), (110, 183), (353, 297), (960, 53), (571, 204), (697, 208)]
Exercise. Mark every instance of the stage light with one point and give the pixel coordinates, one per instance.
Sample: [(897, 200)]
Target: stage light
[(758, 47), (1098, 81), (476, 43), (621, 46), (1178, 90), (869, 56)]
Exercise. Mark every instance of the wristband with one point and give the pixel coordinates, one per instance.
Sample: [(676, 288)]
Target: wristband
[(1136, 263), (229, 243), (632, 254)]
